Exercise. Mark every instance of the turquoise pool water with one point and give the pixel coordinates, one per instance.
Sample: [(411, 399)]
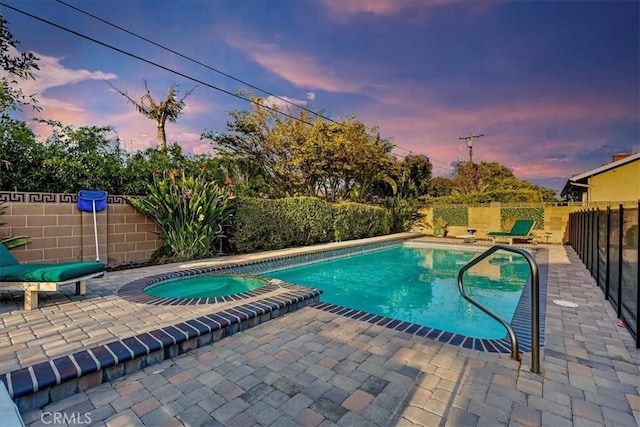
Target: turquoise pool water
[(205, 286), (419, 285)]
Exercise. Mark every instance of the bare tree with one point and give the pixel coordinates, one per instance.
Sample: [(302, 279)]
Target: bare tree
[(168, 110)]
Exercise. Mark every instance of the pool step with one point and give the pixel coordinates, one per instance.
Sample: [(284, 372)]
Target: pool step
[(35, 386)]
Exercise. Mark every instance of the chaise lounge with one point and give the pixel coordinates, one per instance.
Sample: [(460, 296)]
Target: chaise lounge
[(521, 230), (34, 278)]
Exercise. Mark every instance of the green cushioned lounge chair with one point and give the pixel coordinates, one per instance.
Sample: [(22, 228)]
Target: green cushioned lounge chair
[(34, 278), (521, 230)]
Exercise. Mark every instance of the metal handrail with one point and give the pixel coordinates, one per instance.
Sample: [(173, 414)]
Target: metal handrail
[(535, 303)]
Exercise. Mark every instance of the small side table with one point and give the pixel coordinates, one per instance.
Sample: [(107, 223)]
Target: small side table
[(548, 235)]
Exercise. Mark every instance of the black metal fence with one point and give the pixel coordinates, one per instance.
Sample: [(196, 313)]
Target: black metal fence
[(607, 243)]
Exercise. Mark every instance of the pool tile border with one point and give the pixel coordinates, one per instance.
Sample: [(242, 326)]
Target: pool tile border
[(37, 385), (134, 291), (521, 322)]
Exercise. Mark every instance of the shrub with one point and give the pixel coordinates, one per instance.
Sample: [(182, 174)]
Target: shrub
[(266, 224), (402, 213), (191, 212), (357, 221)]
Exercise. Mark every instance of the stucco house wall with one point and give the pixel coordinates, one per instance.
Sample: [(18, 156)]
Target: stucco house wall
[(619, 184)]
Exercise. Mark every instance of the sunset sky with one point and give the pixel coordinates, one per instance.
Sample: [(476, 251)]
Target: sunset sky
[(553, 85)]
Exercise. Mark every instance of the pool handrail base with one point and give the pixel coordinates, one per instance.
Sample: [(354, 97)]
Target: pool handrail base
[(535, 302)]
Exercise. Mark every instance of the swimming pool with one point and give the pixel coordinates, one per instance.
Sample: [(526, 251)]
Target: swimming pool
[(266, 264), (419, 285), (205, 286)]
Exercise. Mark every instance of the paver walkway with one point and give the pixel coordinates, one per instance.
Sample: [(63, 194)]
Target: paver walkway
[(313, 368)]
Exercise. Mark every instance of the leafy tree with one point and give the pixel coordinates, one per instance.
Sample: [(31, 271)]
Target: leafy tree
[(16, 67), (261, 140), (143, 167), (489, 181), (441, 186), (346, 160), (69, 160), (335, 161), (23, 157), (170, 109), (467, 178), (414, 176), (80, 158)]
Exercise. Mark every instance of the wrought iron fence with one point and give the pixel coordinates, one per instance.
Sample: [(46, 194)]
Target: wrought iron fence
[(607, 242)]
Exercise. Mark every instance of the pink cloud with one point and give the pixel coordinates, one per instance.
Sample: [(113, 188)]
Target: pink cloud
[(53, 74), (301, 69), (344, 10), (515, 132)]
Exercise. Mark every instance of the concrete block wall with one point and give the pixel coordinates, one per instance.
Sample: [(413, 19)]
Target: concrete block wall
[(488, 218), (60, 232)]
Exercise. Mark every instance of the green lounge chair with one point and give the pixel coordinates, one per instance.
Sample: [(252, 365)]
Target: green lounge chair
[(34, 278), (521, 230)]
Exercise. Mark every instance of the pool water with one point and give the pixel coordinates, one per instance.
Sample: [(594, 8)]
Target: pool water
[(420, 285), (205, 286)]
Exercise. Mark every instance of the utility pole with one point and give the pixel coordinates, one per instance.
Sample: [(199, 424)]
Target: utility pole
[(469, 140)]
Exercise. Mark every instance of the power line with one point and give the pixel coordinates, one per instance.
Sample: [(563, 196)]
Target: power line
[(152, 63), (193, 60), (402, 156), (132, 55), (432, 160)]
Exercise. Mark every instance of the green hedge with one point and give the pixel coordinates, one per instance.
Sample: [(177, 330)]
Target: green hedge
[(454, 215), (357, 221), (509, 215), (268, 224)]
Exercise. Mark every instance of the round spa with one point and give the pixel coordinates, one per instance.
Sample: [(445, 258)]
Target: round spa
[(205, 286)]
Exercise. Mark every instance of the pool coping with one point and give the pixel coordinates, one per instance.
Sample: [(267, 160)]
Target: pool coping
[(37, 385), (521, 322)]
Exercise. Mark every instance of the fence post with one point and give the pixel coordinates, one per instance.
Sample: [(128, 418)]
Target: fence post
[(570, 228), (581, 234), (588, 234), (598, 247), (578, 235), (608, 250), (585, 227), (572, 222), (620, 252), (638, 278), (592, 239)]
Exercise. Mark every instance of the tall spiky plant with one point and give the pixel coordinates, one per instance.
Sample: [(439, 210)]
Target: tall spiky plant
[(168, 110), (191, 212)]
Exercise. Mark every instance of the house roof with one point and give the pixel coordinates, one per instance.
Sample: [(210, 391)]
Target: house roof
[(574, 181), (606, 167)]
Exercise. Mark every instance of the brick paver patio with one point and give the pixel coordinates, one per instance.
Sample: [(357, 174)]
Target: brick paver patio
[(311, 367)]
